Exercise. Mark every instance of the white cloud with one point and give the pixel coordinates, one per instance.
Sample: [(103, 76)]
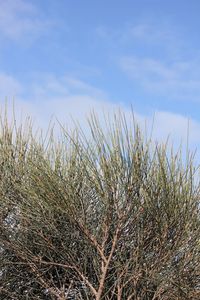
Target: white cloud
[(177, 79), (158, 58), (19, 18), (177, 126), (75, 99), (62, 86), (62, 98), (150, 32), (9, 86), (148, 68)]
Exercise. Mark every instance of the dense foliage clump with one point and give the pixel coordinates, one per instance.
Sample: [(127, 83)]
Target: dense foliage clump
[(111, 216)]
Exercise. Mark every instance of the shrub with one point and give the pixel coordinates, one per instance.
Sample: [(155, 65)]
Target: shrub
[(113, 216)]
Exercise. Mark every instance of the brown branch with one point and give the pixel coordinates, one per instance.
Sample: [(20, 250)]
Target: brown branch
[(106, 265), (93, 290), (94, 242)]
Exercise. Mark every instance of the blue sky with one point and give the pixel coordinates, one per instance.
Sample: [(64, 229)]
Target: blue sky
[(68, 57)]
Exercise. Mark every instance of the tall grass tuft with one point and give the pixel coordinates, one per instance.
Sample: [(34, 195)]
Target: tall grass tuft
[(110, 216)]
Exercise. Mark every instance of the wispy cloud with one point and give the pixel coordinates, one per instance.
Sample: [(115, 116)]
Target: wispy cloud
[(179, 79), (68, 98), (149, 32), (159, 33), (156, 57), (45, 85), (20, 18), (9, 86), (177, 127), (48, 96)]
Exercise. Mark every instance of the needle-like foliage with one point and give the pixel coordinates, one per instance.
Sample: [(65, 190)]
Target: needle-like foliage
[(113, 216)]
